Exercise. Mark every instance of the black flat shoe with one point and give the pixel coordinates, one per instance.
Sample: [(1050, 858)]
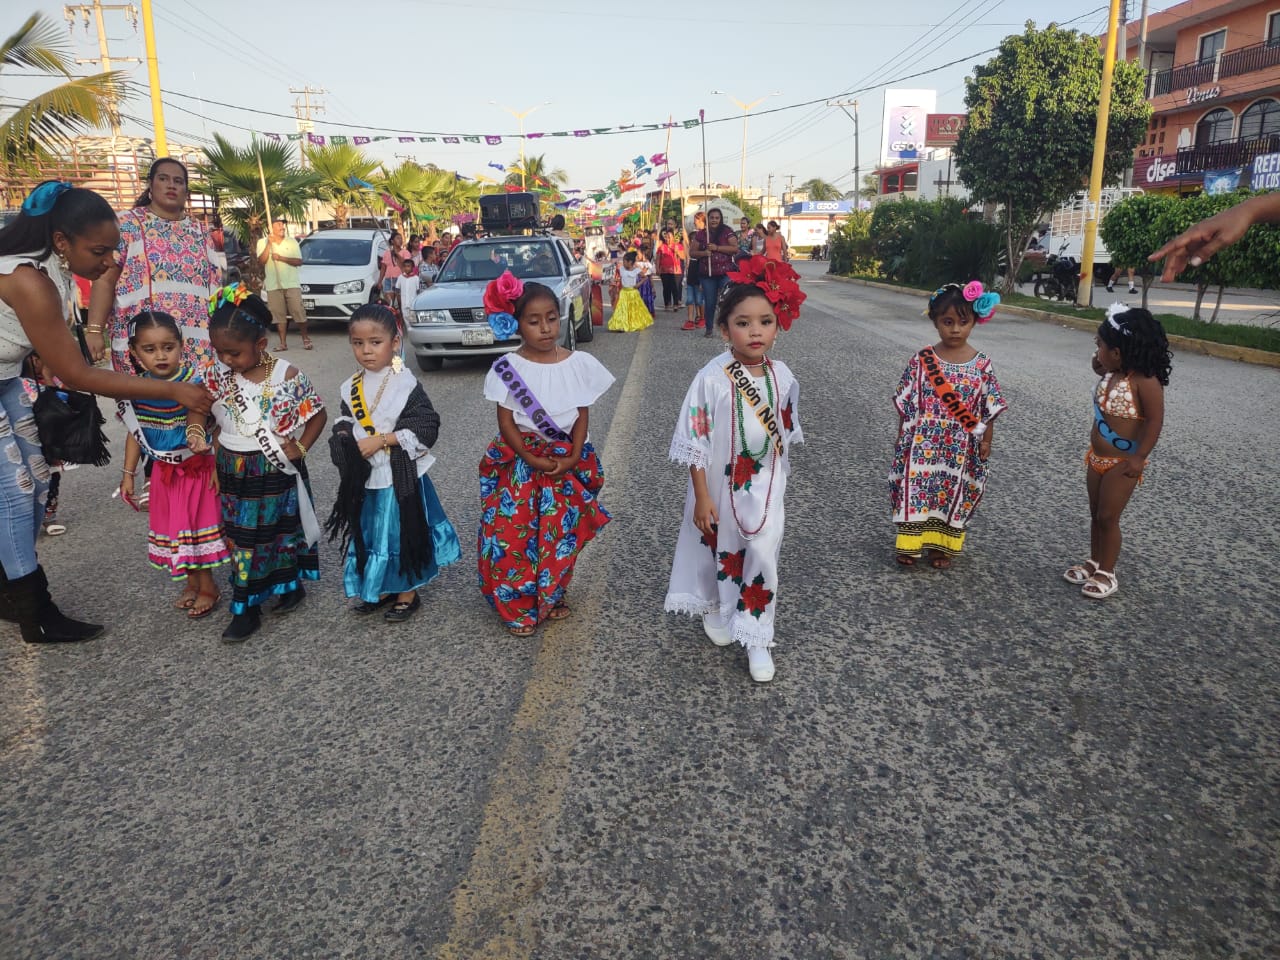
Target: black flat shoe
[(289, 602), (364, 607), (403, 611), (242, 626)]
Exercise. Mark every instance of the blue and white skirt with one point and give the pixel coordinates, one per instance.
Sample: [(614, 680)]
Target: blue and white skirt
[(380, 525)]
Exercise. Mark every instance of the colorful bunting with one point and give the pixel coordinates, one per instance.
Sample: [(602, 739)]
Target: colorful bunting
[(359, 141)]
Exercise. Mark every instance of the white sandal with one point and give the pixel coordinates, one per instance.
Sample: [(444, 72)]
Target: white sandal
[(1081, 572), (1100, 589)]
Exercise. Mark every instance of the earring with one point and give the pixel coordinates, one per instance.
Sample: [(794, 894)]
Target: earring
[(264, 358), (396, 364), (62, 260)]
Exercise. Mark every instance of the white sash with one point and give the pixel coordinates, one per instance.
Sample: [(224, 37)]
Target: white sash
[(271, 449)]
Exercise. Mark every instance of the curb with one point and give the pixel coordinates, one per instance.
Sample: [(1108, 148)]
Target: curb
[(1222, 351)]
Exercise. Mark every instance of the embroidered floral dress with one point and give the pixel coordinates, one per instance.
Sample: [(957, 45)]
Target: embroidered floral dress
[(734, 577), (937, 479), (532, 528), (265, 511), (182, 272)]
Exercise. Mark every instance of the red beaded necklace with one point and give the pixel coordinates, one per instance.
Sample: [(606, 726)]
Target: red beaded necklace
[(770, 384)]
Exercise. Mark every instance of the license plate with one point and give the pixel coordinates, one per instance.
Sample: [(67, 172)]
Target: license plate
[(308, 304), (476, 338)]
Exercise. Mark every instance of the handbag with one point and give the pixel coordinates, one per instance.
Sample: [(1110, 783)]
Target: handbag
[(70, 427)]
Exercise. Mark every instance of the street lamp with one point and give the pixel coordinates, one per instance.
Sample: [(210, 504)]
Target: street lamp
[(746, 109), (520, 118)]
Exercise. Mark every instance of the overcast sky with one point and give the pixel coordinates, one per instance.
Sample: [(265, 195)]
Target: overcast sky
[(435, 66)]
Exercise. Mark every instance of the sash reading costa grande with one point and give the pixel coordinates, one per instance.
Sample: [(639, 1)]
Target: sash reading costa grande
[(530, 404), (746, 385), (948, 395)]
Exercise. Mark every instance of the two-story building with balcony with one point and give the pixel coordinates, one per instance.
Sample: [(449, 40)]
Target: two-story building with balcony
[(1213, 82)]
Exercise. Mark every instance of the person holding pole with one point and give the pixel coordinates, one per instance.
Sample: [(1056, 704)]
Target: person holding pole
[(281, 257)]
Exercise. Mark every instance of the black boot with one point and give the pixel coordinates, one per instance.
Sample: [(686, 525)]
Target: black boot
[(243, 626), (39, 617), (290, 601)]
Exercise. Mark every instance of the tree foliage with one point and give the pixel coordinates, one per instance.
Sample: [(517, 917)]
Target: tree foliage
[(1133, 229), (931, 242), (818, 189), (537, 173), (751, 210), (1032, 114), (334, 165), (851, 249), (34, 130)]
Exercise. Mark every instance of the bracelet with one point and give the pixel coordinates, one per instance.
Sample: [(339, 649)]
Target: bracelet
[(92, 328), (127, 472), (301, 446), (386, 443), (196, 429)]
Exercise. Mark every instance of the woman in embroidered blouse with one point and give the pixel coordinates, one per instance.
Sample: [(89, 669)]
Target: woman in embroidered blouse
[(59, 231), (540, 478), (167, 262), (268, 417)]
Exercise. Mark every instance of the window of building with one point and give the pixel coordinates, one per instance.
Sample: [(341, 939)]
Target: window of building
[(1262, 118), (1215, 126), (1211, 43), (910, 180), (892, 184), (1273, 29)]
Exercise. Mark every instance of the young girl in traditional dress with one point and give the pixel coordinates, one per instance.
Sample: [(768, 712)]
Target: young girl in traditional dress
[(629, 313), (184, 520), (397, 535), (1133, 361), (541, 477), (268, 417), (735, 432), (948, 400)]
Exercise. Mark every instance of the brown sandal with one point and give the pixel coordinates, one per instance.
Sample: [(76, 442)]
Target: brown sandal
[(196, 613), (526, 631), (187, 599), (905, 560), (560, 611), (940, 561)]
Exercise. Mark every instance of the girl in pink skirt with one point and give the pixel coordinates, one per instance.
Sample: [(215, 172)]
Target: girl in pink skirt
[(185, 536)]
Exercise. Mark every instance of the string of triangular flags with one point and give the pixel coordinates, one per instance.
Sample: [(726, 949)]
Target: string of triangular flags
[(492, 140)]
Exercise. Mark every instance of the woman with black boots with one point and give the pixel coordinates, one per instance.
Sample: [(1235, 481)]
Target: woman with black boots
[(61, 230)]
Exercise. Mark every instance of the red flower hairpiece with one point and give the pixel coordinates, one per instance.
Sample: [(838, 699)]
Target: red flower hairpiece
[(780, 283), (501, 294)]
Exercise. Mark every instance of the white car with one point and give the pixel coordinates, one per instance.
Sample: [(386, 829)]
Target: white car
[(339, 271)]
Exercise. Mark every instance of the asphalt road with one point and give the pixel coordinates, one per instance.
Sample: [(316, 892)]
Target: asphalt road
[(971, 763)]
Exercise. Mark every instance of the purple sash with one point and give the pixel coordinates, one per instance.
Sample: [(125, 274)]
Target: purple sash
[(529, 404)]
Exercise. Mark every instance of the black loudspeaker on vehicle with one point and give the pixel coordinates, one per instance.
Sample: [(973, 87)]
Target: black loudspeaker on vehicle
[(509, 211)]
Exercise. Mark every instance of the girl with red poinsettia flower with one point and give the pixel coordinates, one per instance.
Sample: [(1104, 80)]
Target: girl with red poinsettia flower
[(735, 433)]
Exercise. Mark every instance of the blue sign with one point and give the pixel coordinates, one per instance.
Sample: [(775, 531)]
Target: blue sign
[(1222, 181), (829, 207), (1266, 172)]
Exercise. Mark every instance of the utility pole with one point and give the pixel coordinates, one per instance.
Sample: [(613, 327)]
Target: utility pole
[(104, 59), (1085, 296), (1142, 38), (153, 78), (857, 170), (768, 193), (791, 179), (304, 108)]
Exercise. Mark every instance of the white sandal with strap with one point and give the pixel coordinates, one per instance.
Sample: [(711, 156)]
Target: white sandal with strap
[(1095, 588), (1081, 572)]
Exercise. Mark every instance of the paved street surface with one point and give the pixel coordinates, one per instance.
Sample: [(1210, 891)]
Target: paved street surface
[(976, 763)]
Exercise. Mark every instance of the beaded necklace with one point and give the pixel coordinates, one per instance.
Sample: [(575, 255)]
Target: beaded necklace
[(259, 411), (737, 427)]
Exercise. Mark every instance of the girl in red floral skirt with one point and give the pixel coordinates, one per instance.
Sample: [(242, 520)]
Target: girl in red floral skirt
[(540, 477)]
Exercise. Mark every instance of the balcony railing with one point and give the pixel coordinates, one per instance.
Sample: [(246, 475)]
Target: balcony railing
[(1224, 64), (1237, 152)]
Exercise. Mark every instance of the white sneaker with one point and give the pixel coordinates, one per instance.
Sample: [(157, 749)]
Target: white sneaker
[(717, 634), (760, 661)]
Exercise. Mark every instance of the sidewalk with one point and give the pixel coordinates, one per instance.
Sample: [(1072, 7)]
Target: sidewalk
[(1239, 304)]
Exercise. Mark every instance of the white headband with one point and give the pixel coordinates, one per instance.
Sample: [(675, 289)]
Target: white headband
[(1114, 311)]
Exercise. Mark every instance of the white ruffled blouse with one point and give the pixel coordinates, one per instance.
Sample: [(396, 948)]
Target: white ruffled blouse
[(579, 380), (384, 417)]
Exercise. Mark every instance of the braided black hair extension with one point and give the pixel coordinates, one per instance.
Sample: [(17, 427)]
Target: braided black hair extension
[(1144, 348), (249, 321)]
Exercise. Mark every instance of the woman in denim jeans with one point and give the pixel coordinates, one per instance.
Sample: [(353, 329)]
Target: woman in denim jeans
[(714, 248), (61, 230)]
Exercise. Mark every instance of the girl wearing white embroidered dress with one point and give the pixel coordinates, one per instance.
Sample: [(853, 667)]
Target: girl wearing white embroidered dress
[(735, 432), (387, 511)]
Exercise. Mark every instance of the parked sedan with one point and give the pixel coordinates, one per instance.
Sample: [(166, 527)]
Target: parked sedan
[(448, 319), (339, 271)]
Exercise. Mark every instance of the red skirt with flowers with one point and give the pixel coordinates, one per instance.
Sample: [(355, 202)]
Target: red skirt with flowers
[(532, 527)]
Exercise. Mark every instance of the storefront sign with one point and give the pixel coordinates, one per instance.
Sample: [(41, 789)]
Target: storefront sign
[(943, 129), (1222, 181), (1154, 171), (1196, 95), (1266, 172)]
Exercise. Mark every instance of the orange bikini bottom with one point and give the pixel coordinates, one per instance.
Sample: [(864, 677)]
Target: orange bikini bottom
[(1102, 465)]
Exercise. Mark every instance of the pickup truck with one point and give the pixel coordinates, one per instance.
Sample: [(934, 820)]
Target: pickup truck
[(448, 319)]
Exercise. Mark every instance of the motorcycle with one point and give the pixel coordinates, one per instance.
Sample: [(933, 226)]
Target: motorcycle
[(1062, 281), (818, 252)]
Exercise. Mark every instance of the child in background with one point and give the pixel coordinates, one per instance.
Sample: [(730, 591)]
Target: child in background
[(1133, 361), (395, 533), (948, 400), (268, 417), (735, 432), (430, 268), (645, 286), (629, 312), (407, 286), (540, 477), (185, 530)]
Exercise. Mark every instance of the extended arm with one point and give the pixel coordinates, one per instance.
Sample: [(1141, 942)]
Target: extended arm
[(1201, 241)]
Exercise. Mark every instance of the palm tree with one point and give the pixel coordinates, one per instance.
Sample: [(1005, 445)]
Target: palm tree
[(537, 174), (420, 190), (819, 189), (231, 173), (335, 165), (35, 130)]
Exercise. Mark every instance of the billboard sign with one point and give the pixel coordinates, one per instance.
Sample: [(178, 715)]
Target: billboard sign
[(1265, 174), (1149, 172), (1222, 181), (943, 129), (905, 113)]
